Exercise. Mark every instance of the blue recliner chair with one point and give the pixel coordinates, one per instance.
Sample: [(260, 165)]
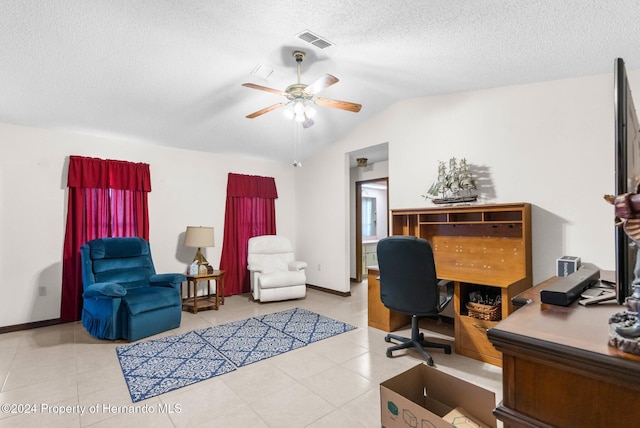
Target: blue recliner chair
[(123, 296)]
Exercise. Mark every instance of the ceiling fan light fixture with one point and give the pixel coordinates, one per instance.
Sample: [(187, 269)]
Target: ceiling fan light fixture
[(299, 93), (307, 122), (309, 112), (289, 113), (300, 112), (298, 108)]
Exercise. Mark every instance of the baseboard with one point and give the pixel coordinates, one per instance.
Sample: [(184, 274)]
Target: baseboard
[(329, 290), (29, 325)]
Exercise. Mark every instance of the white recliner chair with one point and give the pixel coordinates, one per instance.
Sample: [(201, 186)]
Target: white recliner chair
[(275, 274)]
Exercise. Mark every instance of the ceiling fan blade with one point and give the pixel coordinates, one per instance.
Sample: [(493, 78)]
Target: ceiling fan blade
[(343, 105), (264, 88), (265, 110), (319, 84)]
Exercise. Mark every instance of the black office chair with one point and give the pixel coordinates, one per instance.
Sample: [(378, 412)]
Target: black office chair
[(408, 284)]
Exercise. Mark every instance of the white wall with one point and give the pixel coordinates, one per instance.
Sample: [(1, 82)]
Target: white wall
[(323, 208), (550, 144), (188, 188)]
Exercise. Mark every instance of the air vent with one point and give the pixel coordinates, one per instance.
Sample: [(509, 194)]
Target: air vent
[(314, 39)]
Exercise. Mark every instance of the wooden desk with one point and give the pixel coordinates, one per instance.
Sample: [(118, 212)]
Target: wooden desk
[(558, 369), (196, 302), (481, 248), (378, 315)]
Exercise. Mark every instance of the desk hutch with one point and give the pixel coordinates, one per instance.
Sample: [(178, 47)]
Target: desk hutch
[(481, 248)]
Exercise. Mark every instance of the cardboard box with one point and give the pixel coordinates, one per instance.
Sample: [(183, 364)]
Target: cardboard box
[(423, 395), (566, 265), (460, 418)]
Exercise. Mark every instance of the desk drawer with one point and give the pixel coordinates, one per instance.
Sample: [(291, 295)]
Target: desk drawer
[(473, 336)]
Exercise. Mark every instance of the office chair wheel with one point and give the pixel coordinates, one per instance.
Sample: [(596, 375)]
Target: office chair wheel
[(447, 350), (388, 354), (387, 339)]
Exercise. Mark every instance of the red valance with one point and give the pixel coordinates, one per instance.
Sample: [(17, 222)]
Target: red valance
[(251, 186), (94, 173)]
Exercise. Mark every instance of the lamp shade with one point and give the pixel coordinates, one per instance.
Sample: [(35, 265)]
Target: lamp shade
[(198, 236)]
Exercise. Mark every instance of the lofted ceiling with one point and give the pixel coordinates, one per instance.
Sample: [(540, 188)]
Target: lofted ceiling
[(169, 72)]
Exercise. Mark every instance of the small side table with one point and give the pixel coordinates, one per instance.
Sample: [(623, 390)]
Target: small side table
[(195, 302)]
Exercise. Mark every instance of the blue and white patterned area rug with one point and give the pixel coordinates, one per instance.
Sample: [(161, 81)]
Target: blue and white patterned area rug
[(157, 366)]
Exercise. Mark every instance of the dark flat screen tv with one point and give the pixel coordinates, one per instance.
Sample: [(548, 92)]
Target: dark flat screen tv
[(627, 173)]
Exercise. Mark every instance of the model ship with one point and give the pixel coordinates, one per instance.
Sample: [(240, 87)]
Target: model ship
[(453, 185)]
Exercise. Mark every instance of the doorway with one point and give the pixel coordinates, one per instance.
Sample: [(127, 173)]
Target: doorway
[(372, 222)]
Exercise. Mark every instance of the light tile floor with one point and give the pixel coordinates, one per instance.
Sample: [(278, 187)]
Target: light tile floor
[(52, 372)]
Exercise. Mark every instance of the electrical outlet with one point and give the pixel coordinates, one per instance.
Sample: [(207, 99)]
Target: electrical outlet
[(42, 290)]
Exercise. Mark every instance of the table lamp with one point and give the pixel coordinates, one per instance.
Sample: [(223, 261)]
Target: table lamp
[(198, 237)]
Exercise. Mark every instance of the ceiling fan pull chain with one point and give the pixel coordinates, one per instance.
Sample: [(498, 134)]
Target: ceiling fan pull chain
[(297, 136)]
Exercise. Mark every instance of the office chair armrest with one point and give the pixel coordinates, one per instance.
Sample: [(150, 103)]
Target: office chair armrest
[(445, 291), (297, 265)]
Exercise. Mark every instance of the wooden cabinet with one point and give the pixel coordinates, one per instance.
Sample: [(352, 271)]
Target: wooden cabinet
[(378, 315), (482, 248), (369, 255), (559, 370)]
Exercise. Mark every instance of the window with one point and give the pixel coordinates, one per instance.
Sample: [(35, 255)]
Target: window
[(106, 198), (250, 211), (368, 217)]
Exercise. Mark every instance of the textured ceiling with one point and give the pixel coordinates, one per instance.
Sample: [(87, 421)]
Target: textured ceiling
[(170, 72)]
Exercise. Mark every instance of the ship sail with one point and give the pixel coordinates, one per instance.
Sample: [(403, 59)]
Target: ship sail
[(452, 185)]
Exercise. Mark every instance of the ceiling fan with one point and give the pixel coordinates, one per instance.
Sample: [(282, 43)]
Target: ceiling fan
[(298, 94)]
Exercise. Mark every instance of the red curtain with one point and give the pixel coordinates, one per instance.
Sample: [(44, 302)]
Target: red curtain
[(250, 211), (106, 198)]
